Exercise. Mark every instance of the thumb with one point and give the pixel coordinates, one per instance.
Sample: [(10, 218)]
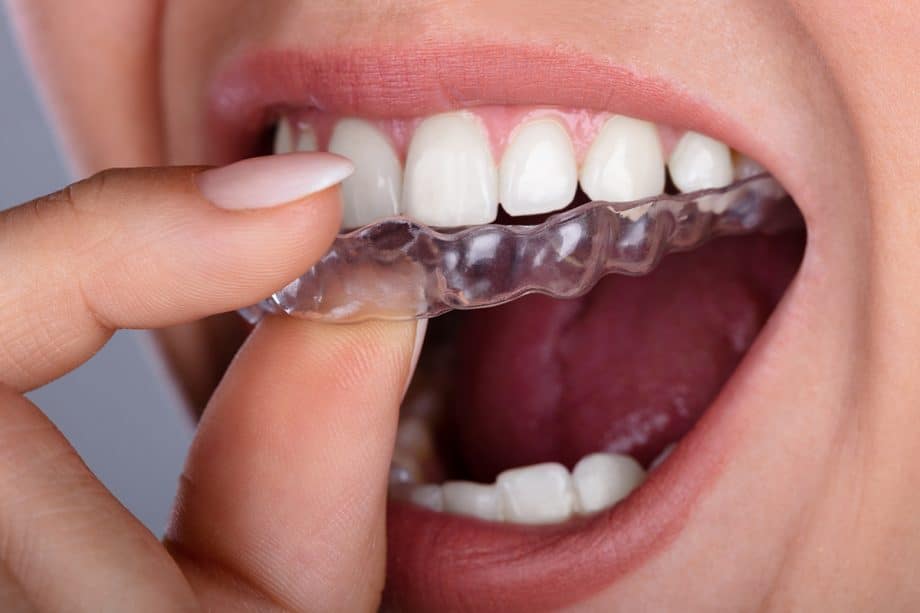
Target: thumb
[(285, 485)]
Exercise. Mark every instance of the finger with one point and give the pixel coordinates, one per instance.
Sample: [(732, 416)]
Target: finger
[(154, 247), (67, 544), (286, 481)]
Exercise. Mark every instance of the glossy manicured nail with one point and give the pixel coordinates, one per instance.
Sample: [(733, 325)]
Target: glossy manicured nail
[(265, 182)]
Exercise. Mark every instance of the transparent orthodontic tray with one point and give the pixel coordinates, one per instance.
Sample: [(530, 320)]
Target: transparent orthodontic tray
[(398, 269)]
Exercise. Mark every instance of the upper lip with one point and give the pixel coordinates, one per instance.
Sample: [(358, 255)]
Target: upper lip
[(249, 94), (522, 568)]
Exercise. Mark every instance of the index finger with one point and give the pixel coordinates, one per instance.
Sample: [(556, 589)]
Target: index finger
[(149, 248)]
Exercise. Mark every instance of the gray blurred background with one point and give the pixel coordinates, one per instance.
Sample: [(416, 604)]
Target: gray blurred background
[(117, 410)]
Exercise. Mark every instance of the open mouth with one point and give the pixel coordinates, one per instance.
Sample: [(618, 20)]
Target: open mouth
[(546, 446)]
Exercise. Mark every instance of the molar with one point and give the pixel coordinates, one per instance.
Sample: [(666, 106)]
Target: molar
[(625, 162), (538, 173), (450, 178), (373, 192)]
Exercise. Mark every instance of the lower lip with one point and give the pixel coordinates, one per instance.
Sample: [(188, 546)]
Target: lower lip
[(435, 558)]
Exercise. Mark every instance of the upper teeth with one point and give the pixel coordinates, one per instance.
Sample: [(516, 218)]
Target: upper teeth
[(454, 177), (375, 189), (451, 179), (625, 162), (538, 171)]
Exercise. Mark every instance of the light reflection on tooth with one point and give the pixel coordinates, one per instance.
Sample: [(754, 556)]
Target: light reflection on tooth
[(625, 162), (374, 190), (538, 494), (450, 177), (472, 499), (603, 479)]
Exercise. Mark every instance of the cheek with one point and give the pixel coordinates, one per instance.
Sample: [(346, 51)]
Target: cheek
[(114, 78)]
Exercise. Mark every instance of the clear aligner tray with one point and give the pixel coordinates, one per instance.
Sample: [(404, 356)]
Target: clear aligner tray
[(399, 269)]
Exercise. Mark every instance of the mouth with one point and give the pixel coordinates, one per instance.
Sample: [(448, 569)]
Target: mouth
[(547, 447)]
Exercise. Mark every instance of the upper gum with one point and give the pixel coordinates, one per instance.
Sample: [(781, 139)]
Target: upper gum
[(498, 121)]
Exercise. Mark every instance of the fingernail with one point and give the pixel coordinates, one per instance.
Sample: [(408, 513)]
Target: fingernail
[(265, 182)]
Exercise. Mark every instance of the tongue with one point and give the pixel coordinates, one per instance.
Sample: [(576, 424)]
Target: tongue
[(627, 368)]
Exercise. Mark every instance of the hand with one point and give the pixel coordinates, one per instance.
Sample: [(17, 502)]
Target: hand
[(282, 501)]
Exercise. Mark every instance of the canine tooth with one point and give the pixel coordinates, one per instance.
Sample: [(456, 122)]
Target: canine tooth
[(428, 495), (374, 190), (658, 461), (472, 499), (603, 479), (284, 137), (625, 162), (450, 177), (538, 173), (306, 139), (699, 162), (538, 494)]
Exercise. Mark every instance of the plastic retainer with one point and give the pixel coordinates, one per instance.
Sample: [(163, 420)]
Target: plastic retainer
[(398, 269)]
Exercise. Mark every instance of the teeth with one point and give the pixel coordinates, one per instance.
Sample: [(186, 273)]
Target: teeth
[(306, 139), (405, 468), (625, 162), (745, 167), (414, 436), (284, 137), (428, 496), (603, 479), (699, 162), (538, 173), (538, 494), (450, 177), (374, 190), (472, 499)]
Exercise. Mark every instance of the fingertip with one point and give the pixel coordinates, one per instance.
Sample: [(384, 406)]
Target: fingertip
[(275, 180)]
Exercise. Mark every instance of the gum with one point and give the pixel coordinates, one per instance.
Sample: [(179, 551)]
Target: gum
[(498, 121), (398, 269)]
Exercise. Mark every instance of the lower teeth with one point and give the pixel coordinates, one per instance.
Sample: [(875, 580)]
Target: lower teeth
[(398, 269), (545, 493), (539, 494)]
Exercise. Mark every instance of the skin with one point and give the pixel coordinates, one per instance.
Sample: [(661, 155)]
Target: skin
[(826, 468)]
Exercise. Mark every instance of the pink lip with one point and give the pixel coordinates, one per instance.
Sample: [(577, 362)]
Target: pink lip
[(409, 82), (435, 561)]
